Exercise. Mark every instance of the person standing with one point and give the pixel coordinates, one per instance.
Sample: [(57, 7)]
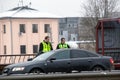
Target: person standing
[(62, 44), (45, 46)]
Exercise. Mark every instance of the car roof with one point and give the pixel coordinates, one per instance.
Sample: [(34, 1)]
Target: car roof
[(77, 49), (72, 49)]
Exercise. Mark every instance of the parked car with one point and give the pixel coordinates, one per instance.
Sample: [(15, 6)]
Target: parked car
[(62, 60)]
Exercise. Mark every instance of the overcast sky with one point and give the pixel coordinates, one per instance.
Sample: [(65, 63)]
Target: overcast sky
[(58, 7)]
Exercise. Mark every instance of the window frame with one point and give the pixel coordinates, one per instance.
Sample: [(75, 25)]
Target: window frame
[(46, 28), (5, 49), (34, 28), (22, 28), (4, 28), (35, 50), (22, 49)]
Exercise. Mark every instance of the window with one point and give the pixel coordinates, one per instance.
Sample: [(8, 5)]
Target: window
[(69, 25), (78, 54), (35, 48), (92, 54), (4, 28), (62, 55), (61, 32), (22, 28), (5, 49), (47, 28), (35, 28), (22, 49)]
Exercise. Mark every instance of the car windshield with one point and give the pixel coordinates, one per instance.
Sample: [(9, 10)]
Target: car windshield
[(44, 56)]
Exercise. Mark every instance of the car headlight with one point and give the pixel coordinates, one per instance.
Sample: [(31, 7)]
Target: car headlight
[(18, 68)]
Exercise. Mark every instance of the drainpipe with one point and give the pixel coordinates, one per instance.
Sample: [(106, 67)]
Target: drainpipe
[(11, 36)]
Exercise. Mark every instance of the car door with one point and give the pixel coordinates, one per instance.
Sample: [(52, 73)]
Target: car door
[(80, 61), (61, 62)]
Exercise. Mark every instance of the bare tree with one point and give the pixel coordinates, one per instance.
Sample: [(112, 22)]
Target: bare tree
[(94, 10)]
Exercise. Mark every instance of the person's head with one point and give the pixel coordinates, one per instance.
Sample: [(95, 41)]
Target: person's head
[(62, 40), (47, 38)]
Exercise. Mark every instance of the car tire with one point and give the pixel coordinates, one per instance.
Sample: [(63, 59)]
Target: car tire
[(36, 71), (97, 68)]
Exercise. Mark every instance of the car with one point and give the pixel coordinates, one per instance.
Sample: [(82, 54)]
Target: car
[(62, 60)]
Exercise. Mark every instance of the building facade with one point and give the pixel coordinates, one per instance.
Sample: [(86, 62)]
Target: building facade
[(68, 28), (23, 28)]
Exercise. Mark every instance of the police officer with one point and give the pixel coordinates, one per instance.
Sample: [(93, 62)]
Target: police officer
[(45, 46), (62, 44)]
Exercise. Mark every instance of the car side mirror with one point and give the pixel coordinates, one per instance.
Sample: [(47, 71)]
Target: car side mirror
[(51, 59), (30, 59)]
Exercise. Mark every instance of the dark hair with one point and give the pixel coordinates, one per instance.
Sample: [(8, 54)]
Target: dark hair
[(46, 37), (62, 39)]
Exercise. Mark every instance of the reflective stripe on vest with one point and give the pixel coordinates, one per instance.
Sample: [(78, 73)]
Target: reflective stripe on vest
[(63, 46), (46, 47)]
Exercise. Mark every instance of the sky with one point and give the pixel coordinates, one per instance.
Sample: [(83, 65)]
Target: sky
[(66, 8)]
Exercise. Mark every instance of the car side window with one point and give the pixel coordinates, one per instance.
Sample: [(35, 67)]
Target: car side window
[(62, 55), (78, 54), (92, 54)]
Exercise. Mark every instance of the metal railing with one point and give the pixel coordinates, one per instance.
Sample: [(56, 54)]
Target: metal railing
[(73, 76), (10, 59)]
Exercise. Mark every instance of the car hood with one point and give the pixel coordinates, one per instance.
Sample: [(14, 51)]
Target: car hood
[(22, 64)]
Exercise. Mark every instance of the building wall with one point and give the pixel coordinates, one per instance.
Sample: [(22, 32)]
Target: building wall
[(28, 38), (69, 28), (5, 38)]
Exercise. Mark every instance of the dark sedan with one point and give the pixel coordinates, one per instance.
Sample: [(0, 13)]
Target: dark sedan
[(62, 60)]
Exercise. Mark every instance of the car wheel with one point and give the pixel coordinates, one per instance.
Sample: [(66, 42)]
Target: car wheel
[(97, 68), (36, 71)]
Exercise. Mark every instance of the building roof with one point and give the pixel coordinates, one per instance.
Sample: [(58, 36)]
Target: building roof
[(26, 12)]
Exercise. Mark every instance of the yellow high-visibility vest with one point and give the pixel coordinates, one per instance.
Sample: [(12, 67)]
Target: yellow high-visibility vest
[(46, 47), (63, 45)]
